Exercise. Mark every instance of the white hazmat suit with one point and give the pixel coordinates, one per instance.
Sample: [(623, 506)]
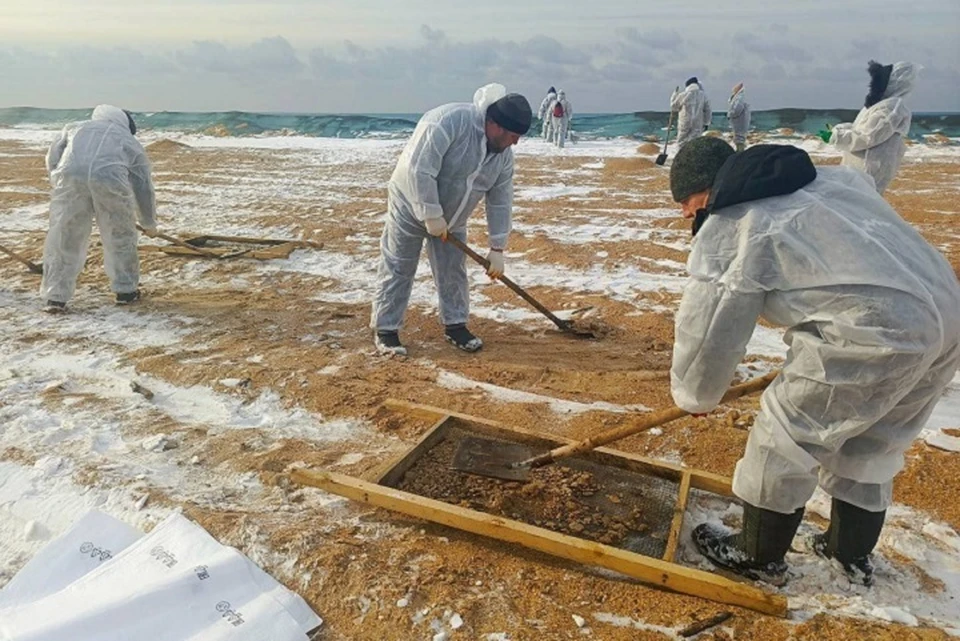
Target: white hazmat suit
[(560, 123), (444, 171), (99, 170), (544, 115), (693, 112), (874, 141), (873, 318), (738, 114)]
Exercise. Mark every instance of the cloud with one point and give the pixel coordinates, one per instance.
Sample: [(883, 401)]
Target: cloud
[(772, 49), (657, 39), (634, 70), (266, 56)]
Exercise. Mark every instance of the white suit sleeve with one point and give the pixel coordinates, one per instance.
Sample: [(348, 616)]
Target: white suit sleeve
[(499, 206), (425, 161), (713, 327), (876, 128), (736, 109), (56, 151), (142, 185), (707, 111), (677, 99)]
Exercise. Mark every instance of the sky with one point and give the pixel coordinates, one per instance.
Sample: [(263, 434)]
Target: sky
[(406, 56)]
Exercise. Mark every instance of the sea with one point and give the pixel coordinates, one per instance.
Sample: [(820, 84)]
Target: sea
[(637, 125)]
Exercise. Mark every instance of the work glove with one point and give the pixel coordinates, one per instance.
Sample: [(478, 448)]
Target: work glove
[(436, 227), (495, 270), (150, 232), (825, 134)]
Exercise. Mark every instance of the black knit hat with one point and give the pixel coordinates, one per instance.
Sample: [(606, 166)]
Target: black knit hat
[(879, 79), (696, 166), (512, 112), (691, 80)]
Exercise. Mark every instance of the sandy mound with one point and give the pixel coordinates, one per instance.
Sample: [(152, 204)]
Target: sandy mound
[(624, 165), (219, 131), (165, 144), (937, 139), (648, 148)]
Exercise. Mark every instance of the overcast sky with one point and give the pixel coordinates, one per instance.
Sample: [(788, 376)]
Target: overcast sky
[(410, 55)]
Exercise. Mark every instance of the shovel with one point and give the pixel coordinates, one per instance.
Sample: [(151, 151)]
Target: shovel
[(565, 326), (36, 269), (180, 243), (514, 462), (662, 158)]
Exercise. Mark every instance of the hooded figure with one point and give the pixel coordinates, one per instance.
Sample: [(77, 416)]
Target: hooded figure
[(561, 111), (458, 154), (872, 313), (98, 171), (874, 142), (544, 114), (693, 109), (738, 114)]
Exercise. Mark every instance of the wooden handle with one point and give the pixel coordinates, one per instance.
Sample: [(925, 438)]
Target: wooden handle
[(666, 139), (180, 243), (456, 242), (36, 269), (646, 423)]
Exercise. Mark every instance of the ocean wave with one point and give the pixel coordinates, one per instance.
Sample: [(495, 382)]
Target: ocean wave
[(638, 125)]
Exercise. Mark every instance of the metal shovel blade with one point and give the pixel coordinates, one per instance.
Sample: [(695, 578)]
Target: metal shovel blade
[(661, 159), (496, 459)]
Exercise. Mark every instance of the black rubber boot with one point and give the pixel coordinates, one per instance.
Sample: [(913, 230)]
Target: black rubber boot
[(55, 307), (128, 298), (388, 342), (462, 337), (758, 550), (851, 537)]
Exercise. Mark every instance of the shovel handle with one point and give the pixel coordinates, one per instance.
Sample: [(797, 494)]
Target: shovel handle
[(180, 243), (666, 139), (36, 269), (646, 423), (462, 246)]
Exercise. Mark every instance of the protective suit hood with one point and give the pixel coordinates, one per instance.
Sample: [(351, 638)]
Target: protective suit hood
[(763, 171), (116, 115), (902, 79), (487, 95)]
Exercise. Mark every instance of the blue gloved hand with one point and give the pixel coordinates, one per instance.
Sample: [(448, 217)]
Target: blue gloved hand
[(826, 134)]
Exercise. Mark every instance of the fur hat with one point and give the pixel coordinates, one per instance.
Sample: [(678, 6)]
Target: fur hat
[(879, 79)]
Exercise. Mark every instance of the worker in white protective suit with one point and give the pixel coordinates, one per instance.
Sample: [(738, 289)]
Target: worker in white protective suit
[(738, 115), (543, 114), (693, 111), (561, 112), (872, 313), (458, 154), (100, 171), (874, 141)]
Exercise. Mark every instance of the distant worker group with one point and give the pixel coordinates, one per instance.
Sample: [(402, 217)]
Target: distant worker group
[(555, 112)]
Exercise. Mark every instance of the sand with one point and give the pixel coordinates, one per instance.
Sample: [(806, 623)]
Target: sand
[(297, 333)]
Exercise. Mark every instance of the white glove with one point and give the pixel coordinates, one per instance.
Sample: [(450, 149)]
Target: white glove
[(436, 227), (495, 270)]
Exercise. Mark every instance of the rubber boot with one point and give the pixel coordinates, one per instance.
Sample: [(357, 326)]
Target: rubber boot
[(462, 338), (388, 342), (758, 550), (851, 537)]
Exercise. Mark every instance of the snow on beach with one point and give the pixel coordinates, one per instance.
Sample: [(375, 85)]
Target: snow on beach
[(76, 436)]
